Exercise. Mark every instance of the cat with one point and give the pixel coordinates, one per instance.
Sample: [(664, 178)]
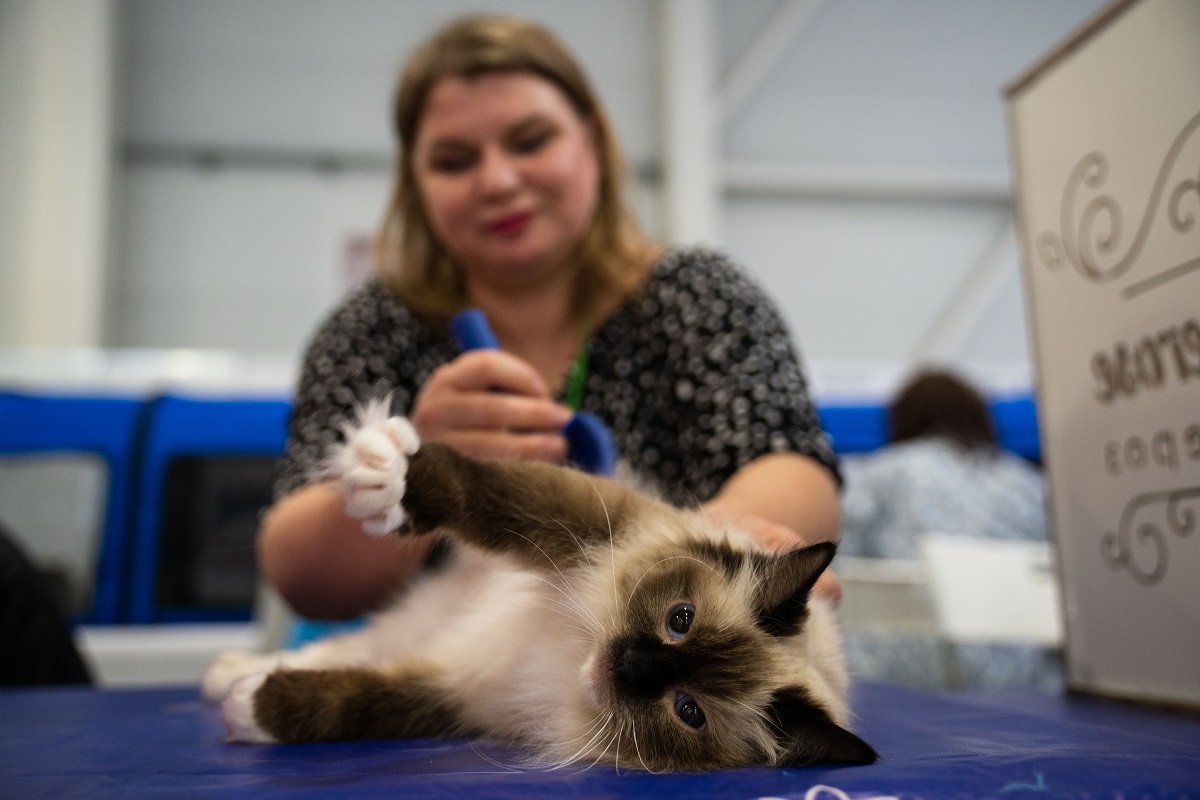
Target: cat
[(577, 618)]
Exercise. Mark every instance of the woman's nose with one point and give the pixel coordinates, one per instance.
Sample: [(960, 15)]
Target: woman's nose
[(498, 173)]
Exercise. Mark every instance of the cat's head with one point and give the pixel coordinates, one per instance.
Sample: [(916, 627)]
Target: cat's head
[(715, 658)]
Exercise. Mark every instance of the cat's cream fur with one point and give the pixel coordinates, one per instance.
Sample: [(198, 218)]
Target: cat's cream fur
[(554, 626)]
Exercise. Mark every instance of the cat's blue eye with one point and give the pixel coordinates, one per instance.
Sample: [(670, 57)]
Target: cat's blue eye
[(689, 712), (679, 620)]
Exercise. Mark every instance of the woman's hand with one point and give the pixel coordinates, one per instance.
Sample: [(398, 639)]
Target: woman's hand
[(489, 404)]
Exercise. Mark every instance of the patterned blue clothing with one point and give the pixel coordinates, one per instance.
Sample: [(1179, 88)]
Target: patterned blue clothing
[(902, 491)]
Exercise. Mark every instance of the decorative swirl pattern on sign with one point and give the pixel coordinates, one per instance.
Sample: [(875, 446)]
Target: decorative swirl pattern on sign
[(1141, 544), (1091, 222)]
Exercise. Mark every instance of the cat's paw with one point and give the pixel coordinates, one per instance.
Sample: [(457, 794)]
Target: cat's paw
[(237, 712), (371, 465), (230, 667)]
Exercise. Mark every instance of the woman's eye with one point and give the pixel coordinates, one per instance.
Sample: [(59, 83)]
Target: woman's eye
[(531, 143), (456, 162), (689, 712), (679, 620)]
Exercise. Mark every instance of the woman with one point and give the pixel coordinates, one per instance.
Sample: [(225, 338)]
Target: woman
[(508, 197)]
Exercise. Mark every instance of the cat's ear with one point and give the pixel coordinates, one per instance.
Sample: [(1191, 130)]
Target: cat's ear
[(806, 734), (785, 581)]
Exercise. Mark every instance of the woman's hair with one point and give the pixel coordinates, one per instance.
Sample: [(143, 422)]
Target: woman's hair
[(408, 257), (938, 403)]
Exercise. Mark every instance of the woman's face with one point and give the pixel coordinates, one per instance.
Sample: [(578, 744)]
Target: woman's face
[(508, 175)]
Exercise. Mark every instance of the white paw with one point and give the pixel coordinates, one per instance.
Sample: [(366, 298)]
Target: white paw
[(230, 667), (372, 464), (237, 711)]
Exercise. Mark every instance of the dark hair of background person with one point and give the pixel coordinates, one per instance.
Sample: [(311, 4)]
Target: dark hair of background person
[(936, 403)]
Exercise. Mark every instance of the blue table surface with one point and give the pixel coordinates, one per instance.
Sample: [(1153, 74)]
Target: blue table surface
[(67, 743)]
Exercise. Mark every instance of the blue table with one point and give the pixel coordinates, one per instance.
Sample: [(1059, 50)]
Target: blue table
[(79, 743)]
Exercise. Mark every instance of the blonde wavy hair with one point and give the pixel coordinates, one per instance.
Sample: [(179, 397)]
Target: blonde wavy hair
[(614, 253)]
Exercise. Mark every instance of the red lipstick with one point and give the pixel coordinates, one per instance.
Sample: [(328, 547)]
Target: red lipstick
[(511, 225)]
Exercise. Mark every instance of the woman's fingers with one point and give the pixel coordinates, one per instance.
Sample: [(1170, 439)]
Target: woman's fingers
[(494, 370), (500, 412), (489, 404)]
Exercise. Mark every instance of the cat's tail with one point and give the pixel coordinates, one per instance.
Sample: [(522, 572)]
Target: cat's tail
[(371, 464)]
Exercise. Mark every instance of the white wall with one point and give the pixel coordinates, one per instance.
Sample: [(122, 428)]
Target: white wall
[(55, 165), (882, 111), (251, 256), (891, 115)]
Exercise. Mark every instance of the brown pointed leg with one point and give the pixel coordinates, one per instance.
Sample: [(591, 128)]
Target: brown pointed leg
[(546, 515), (338, 704)]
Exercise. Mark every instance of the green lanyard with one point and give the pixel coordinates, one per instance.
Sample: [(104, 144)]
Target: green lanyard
[(577, 377)]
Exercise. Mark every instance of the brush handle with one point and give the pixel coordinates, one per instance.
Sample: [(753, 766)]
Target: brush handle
[(589, 442), (471, 330)]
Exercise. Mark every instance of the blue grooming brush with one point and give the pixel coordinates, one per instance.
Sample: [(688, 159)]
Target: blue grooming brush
[(589, 443)]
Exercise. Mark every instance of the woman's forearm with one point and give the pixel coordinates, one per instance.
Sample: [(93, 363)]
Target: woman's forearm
[(323, 563), (785, 488), (783, 501)]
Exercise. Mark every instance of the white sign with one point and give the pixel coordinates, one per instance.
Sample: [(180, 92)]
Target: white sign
[(1105, 138)]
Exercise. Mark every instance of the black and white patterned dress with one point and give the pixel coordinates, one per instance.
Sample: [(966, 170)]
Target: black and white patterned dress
[(696, 376)]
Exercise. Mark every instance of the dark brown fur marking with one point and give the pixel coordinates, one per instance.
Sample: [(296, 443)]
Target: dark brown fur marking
[(720, 555), (520, 507), (337, 704)]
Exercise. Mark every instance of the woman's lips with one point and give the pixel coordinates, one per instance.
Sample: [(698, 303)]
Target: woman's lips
[(512, 224)]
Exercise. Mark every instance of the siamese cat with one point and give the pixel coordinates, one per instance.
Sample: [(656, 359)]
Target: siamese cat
[(576, 618)]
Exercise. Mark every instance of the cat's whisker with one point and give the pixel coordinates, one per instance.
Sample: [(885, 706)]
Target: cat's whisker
[(576, 602), (616, 738), (612, 549), (617, 764), (553, 563), (580, 625), (638, 749), (490, 760), (579, 544), (565, 581), (600, 727), (586, 614), (599, 750), (603, 750)]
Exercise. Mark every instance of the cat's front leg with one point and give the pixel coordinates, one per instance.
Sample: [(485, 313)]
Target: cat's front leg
[(546, 514)]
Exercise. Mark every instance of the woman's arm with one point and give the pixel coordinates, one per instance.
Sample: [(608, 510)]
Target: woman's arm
[(322, 562), (788, 489)]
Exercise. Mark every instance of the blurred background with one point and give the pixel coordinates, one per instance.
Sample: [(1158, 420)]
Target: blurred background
[(188, 186), (204, 174)]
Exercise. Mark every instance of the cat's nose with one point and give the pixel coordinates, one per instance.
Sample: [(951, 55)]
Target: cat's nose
[(643, 668)]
